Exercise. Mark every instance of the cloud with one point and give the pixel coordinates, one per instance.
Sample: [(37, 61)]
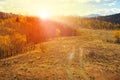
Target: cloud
[(87, 1), (97, 1), (2, 0), (74, 1), (106, 2), (2, 3), (107, 11), (112, 3)]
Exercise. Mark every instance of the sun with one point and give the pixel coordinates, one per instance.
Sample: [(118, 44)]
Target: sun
[(44, 14)]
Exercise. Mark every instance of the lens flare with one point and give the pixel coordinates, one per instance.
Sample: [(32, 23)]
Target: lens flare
[(43, 14)]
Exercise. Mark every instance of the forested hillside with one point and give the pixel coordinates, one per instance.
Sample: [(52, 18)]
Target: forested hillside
[(27, 31), (91, 23), (111, 18)]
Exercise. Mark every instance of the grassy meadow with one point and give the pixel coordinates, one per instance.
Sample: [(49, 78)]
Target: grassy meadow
[(32, 49)]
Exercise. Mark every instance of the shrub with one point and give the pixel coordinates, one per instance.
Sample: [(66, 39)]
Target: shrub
[(117, 36)]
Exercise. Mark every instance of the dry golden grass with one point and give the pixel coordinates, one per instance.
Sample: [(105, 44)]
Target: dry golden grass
[(86, 57)]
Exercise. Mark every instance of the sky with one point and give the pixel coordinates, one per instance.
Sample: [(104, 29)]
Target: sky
[(61, 7)]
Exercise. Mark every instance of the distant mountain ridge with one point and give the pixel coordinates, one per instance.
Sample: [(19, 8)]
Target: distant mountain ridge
[(93, 15), (115, 18)]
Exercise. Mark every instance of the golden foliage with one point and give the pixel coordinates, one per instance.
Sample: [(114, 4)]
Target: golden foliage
[(117, 33), (19, 37), (4, 40), (117, 36)]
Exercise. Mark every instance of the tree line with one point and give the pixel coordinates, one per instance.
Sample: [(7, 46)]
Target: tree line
[(20, 34)]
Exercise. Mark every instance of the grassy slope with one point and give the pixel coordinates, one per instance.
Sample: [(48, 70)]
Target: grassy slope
[(86, 57)]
